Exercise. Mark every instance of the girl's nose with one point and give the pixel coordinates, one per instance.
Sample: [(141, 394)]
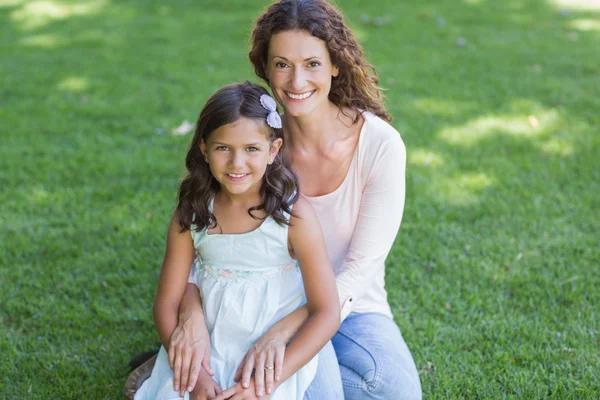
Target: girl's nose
[(236, 159)]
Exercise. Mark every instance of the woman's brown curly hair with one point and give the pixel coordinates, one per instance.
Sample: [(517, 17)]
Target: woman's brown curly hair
[(279, 189), (356, 85)]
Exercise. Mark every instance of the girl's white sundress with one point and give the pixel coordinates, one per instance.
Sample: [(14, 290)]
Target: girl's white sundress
[(248, 282)]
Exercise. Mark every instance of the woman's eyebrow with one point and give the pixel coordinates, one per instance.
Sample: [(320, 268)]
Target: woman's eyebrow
[(306, 59)]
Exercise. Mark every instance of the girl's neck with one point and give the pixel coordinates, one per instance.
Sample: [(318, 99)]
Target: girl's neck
[(318, 131), (242, 200)]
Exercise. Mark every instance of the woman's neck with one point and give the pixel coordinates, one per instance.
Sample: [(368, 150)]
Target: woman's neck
[(318, 131)]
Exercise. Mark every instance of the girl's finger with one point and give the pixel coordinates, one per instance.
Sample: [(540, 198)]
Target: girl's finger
[(259, 374), (247, 371), (226, 394), (269, 372), (279, 356)]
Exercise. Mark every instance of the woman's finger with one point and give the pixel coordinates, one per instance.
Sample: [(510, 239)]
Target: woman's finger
[(177, 370), (238, 373), (259, 374), (247, 371), (279, 356), (171, 354), (185, 370), (195, 366), (269, 371), (206, 361)]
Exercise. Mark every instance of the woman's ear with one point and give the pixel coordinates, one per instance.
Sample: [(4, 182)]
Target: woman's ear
[(335, 71)]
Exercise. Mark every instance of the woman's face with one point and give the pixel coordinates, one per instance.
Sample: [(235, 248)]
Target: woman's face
[(299, 69)]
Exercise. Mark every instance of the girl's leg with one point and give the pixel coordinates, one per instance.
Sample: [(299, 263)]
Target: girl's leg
[(327, 383), (375, 362)]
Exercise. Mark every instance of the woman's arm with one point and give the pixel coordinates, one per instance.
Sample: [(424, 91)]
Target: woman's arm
[(379, 218)]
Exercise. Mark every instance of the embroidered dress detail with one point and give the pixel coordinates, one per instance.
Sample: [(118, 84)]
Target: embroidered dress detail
[(239, 275)]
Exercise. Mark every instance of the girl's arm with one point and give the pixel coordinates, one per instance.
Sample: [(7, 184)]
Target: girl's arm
[(323, 320), (172, 282)]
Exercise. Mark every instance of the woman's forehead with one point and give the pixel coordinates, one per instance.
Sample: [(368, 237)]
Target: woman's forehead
[(296, 44)]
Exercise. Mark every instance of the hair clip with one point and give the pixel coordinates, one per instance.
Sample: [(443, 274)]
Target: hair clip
[(273, 119)]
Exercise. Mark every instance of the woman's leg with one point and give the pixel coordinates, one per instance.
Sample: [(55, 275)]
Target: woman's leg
[(327, 384), (375, 362)]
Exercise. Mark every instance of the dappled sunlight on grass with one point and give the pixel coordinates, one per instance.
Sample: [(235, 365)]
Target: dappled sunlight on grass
[(37, 14), (43, 41), (577, 4), (73, 84), (39, 195), (10, 3), (557, 146), (441, 107), (425, 158), (586, 24), (463, 189), (528, 126)]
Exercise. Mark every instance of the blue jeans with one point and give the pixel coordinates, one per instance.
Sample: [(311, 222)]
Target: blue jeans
[(374, 363)]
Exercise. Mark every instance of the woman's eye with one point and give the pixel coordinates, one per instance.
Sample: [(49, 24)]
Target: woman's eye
[(314, 64), (221, 148), (252, 149), (280, 64)]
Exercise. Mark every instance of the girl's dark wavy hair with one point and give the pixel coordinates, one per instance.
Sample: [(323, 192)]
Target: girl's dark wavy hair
[(356, 85), (279, 190)]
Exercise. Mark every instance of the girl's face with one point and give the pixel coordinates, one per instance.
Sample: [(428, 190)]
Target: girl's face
[(238, 154), (299, 70)]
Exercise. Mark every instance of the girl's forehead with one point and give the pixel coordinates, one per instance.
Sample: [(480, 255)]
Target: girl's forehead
[(242, 130)]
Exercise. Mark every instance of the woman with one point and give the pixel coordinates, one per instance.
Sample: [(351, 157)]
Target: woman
[(351, 165)]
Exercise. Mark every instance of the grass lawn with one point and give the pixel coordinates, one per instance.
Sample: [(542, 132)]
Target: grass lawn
[(494, 276)]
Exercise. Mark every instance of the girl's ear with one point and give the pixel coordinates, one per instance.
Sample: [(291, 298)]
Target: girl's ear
[(203, 148), (275, 147)]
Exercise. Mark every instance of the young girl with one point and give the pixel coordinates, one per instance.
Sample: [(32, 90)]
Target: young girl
[(234, 215)]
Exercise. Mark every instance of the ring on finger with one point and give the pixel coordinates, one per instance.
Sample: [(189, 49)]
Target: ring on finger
[(270, 368)]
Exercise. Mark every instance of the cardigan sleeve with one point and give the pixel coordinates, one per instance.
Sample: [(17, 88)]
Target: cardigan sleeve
[(379, 218)]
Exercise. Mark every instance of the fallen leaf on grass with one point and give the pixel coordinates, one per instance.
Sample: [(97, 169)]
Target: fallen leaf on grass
[(533, 121), (183, 129), (429, 368)]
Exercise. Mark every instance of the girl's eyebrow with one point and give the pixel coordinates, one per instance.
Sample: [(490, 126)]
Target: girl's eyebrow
[(215, 143)]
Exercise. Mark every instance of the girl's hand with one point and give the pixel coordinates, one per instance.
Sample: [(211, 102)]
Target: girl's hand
[(206, 387), (238, 392), (189, 352), (265, 358)]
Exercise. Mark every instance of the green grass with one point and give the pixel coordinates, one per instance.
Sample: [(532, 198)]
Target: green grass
[(495, 273)]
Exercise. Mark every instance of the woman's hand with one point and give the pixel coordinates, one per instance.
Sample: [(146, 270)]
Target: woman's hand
[(265, 358), (189, 351), (238, 392), (206, 387)]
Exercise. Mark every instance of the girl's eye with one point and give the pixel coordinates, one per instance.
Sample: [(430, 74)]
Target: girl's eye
[(221, 148), (280, 64), (314, 64), (252, 149)]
